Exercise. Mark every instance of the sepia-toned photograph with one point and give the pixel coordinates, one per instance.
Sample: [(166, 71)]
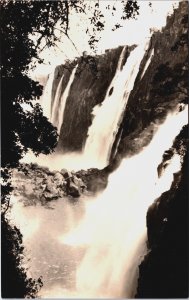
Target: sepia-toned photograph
[(94, 165)]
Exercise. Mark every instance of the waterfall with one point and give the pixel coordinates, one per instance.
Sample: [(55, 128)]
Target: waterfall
[(147, 63), (113, 229), (47, 96), (102, 239), (62, 105), (109, 114), (55, 107), (56, 114)]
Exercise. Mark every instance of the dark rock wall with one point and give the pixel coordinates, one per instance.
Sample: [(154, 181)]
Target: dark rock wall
[(92, 79), (164, 271)]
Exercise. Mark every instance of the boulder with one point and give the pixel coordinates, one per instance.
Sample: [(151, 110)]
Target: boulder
[(73, 190), (58, 179), (29, 189), (68, 175), (79, 182), (63, 171), (49, 196), (50, 187), (58, 176)]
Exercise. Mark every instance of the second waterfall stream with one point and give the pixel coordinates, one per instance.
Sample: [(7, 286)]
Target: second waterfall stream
[(109, 114)]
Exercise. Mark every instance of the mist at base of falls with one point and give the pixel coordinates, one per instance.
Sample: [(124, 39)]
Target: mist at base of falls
[(92, 248), (72, 161)]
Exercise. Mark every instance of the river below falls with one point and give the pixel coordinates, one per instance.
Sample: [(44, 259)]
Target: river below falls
[(48, 251), (42, 227)]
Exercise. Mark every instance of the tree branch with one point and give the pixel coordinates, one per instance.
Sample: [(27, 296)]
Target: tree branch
[(66, 34), (73, 44), (67, 16), (6, 209)]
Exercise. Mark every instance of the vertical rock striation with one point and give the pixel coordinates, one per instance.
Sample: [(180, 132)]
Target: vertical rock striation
[(89, 87)]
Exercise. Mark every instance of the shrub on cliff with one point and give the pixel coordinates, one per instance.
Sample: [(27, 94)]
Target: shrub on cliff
[(168, 80)]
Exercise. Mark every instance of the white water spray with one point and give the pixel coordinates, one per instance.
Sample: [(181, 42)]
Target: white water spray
[(147, 63), (56, 114), (55, 107), (109, 114), (64, 97), (47, 96), (114, 226), (112, 230)]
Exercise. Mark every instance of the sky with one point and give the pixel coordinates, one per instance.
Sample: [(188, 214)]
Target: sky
[(131, 32)]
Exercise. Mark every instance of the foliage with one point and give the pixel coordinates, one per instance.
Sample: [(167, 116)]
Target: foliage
[(168, 80), (21, 130), (130, 9), (12, 257)]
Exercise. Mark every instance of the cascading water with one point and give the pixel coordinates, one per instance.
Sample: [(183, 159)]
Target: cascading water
[(114, 225), (55, 108), (63, 99), (56, 114), (102, 240), (147, 63), (108, 115), (47, 97)]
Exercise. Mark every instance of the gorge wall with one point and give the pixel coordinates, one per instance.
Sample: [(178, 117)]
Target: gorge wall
[(164, 270), (92, 79), (160, 85)]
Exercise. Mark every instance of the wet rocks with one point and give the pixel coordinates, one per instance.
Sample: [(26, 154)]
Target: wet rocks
[(94, 179), (39, 183), (74, 190)]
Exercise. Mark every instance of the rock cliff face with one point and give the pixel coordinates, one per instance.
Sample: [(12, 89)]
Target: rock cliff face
[(164, 271), (156, 91), (163, 86), (91, 81)]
